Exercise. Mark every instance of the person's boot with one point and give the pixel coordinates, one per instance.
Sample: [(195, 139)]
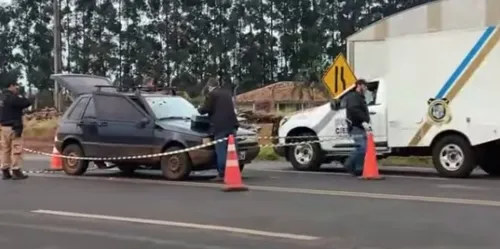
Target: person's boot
[(6, 174), (17, 174)]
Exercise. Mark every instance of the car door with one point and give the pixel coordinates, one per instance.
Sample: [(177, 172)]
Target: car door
[(88, 125), (378, 119), (124, 128)]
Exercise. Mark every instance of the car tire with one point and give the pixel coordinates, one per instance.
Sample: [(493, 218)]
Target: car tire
[(453, 157), (306, 163), (74, 167), (176, 167), (127, 168)]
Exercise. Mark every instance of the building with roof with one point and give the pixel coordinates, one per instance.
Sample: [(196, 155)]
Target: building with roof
[(366, 48), (280, 97)]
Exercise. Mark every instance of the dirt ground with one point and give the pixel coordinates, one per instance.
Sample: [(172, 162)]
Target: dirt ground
[(43, 144)]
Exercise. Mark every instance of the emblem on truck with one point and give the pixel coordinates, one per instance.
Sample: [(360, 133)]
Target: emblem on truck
[(438, 111)]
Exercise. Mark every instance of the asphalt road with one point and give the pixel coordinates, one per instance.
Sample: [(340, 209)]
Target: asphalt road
[(282, 209)]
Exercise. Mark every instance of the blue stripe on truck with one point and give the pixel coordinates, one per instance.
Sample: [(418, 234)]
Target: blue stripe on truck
[(466, 61)]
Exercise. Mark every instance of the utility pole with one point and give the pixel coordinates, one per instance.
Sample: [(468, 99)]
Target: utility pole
[(57, 51)]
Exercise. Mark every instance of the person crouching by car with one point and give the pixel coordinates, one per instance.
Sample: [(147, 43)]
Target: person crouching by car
[(220, 108), (12, 130)]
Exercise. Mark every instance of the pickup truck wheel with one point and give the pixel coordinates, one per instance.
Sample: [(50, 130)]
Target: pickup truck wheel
[(71, 166), (306, 157), (127, 168), (453, 157), (176, 167)]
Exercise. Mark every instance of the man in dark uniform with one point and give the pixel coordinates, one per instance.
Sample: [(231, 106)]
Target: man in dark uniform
[(358, 120), (219, 106), (12, 130)]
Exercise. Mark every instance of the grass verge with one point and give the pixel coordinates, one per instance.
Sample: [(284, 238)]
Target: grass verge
[(268, 154)]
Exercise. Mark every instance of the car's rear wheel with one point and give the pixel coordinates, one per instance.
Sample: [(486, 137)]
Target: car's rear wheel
[(74, 166), (176, 167), (127, 168), (453, 157)]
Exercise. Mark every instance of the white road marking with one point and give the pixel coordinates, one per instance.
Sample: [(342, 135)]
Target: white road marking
[(461, 186), (291, 190), (178, 224)]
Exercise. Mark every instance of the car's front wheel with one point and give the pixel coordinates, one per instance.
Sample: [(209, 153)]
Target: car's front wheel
[(176, 167), (306, 157), (74, 166)]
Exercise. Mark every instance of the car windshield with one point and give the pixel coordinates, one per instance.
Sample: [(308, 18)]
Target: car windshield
[(168, 107)]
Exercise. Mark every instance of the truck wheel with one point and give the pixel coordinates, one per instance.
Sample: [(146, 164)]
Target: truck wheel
[(306, 157), (176, 167), (74, 167), (453, 156)]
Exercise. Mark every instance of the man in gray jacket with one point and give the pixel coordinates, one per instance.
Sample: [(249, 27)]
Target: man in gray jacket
[(358, 120)]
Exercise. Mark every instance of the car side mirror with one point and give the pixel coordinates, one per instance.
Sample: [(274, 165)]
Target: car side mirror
[(334, 104), (143, 122)]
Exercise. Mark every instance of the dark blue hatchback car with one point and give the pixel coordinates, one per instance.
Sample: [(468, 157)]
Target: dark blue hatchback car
[(103, 123)]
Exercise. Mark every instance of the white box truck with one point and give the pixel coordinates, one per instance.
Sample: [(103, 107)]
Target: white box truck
[(438, 96)]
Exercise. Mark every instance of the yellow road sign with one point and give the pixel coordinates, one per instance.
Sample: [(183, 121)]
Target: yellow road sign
[(339, 77)]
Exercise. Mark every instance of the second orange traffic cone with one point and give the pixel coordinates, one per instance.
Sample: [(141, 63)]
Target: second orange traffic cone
[(370, 168), (55, 159), (232, 175)]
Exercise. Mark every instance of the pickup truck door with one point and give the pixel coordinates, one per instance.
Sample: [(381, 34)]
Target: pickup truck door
[(124, 128), (338, 125)]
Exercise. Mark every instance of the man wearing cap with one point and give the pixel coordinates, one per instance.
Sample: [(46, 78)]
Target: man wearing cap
[(220, 108), (358, 121), (11, 121)]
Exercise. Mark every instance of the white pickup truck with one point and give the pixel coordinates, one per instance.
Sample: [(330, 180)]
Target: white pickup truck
[(438, 97)]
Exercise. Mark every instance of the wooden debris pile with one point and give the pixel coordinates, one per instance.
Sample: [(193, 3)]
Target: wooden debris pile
[(259, 117), (43, 114)]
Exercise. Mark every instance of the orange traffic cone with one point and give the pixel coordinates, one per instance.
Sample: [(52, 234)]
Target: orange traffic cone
[(370, 169), (232, 176), (55, 159)]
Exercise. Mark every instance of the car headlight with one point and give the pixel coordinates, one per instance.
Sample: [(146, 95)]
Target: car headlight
[(248, 139)]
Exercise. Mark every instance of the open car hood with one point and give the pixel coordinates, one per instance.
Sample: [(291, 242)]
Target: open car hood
[(78, 84)]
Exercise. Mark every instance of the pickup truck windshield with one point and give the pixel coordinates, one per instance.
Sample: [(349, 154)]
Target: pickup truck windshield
[(165, 107)]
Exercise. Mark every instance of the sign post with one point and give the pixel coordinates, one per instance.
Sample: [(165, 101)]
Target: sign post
[(339, 77)]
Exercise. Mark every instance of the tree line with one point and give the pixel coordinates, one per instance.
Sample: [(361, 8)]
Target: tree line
[(183, 42)]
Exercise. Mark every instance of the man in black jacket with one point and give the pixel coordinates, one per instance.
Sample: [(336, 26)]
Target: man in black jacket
[(358, 120), (220, 108), (12, 130)]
